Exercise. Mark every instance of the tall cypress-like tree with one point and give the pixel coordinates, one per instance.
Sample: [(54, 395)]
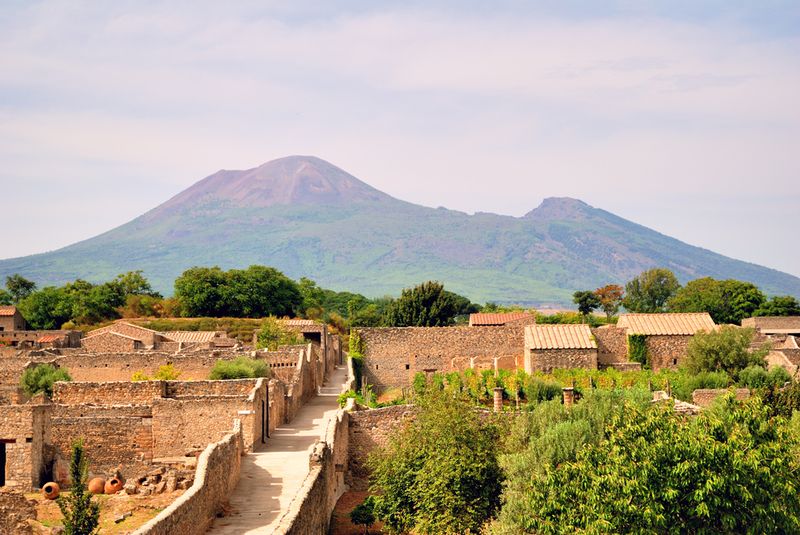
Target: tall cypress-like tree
[(81, 514)]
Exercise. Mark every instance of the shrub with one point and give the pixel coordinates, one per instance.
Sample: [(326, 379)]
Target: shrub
[(537, 390), (139, 376), (363, 514), (81, 514), (753, 377), (273, 334), (726, 349), (41, 379), (358, 368), (239, 368), (166, 372)]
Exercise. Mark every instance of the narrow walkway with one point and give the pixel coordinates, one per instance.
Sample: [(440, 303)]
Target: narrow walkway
[(272, 475)]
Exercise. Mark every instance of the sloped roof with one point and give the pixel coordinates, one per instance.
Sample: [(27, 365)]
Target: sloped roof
[(113, 326), (496, 318), (774, 324), (666, 323), (296, 322), (47, 338), (109, 333), (559, 336), (191, 337), (8, 310), (790, 343)]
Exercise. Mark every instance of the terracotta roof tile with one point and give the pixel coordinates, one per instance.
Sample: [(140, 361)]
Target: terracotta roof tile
[(8, 310), (666, 323), (496, 318), (190, 337), (559, 336), (47, 338)]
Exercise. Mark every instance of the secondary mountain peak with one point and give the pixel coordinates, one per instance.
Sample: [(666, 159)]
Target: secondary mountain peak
[(288, 180), (560, 208)]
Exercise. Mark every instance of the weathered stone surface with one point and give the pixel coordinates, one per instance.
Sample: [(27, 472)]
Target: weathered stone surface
[(15, 511)]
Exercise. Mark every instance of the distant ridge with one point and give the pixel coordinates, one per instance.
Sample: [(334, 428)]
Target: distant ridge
[(310, 218)]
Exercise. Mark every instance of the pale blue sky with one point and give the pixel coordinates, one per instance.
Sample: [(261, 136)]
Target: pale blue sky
[(681, 116)]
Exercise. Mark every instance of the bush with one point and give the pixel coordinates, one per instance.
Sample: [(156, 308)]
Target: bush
[(41, 379), (363, 514), (537, 390), (273, 334), (167, 372), (637, 349), (239, 368), (726, 349)]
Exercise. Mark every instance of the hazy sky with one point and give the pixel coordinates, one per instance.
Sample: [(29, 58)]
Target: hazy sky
[(683, 116)]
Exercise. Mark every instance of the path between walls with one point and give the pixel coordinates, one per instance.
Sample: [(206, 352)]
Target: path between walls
[(272, 475)]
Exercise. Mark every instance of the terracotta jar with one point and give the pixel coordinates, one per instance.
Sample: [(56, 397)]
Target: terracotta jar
[(97, 485), (50, 490), (114, 485)]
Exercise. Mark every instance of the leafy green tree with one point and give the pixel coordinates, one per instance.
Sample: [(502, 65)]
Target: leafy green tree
[(81, 514), (134, 283), (262, 291), (5, 297), (587, 302), (727, 349), (779, 305), (97, 303), (727, 301), (40, 378), (272, 334), (202, 292), (440, 473), (19, 287), (729, 471), (650, 290), (49, 308), (363, 514), (462, 305), (610, 298), (312, 295), (425, 305)]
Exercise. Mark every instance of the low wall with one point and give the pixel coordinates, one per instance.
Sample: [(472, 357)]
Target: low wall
[(217, 474), (15, 511), (704, 397), (370, 429), (311, 509), (121, 366), (111, 393)]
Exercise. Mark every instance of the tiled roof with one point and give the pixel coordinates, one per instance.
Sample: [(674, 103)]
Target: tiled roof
[(112, 328), (93, 334), (47, 338), (297, 322), (495, 318), (666, 324), (8, 310), (774, 324), (190, 337), (559, 336)]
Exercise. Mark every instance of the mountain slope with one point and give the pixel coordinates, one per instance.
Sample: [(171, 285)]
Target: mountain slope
[(310, 218)]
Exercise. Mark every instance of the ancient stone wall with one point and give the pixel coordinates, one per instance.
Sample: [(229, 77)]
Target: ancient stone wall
[(231, 387), (181, 427), (393, 355), (666, 351), (217, 473), (612, 345), (111, 393), (368, 430), (547, 360), (110, 342), (148, 337), (704, 397), (24, 429)]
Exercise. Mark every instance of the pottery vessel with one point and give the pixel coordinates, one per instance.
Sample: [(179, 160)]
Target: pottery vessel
[(114, 485), (51, 490), (97, 485)]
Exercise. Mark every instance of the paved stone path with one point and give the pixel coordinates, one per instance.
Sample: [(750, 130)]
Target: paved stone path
[(272, 475)]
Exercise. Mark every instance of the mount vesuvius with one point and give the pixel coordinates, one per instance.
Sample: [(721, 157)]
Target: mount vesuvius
[(309, 218)]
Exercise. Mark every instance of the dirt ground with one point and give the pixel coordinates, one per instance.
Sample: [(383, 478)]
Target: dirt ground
[(340, 522), (111, 507)]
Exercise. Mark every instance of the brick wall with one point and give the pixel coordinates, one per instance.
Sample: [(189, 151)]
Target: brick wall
[(394, 355), (706, 396), (217, 474), (612, 345), (546, 360), (368, 430)]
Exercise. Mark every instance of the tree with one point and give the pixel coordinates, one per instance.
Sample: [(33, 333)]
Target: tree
[(201, 291), (779, 305), (239, 368), (462, 305), (727, 301), (732, 470), (425, 305), (726, 349), (650, 290), (5, 297), (19, 287), (41, 378), (81, 514), (272, 334), (610, 298), (47, 309), (439, 473), (586, 301), (134, 283), (363, 514)]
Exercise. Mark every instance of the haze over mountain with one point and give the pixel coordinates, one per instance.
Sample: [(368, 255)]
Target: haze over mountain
[(310, 218)]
